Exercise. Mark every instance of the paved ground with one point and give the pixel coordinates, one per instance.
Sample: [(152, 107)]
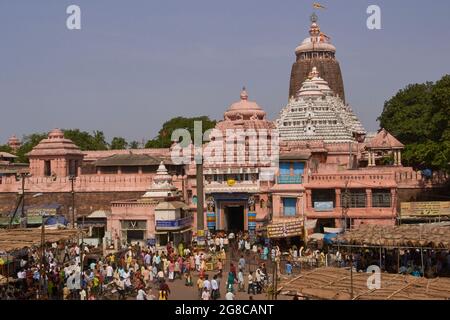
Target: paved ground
[(181, 292)]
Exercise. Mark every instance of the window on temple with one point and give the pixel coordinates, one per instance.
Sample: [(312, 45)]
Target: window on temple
[(289, 207), (381, 198), (354, 198), (73, 168), (323, 199), (47, 168)]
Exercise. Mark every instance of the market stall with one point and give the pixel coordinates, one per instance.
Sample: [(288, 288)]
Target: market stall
[(342, 284)]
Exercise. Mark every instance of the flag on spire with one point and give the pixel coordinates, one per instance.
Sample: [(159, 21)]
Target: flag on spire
[(318, 6)]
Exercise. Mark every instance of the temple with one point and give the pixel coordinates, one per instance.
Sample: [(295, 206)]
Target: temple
[(160, 214), (329, 172), (316, 51), (236, 193)]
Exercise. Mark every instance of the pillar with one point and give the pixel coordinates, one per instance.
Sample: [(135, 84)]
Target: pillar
[(371, 159), (369, 198), (338, 198), (395, 158), (308, 199), (140, 170), (394, 199), (399, 157), (119, 170)]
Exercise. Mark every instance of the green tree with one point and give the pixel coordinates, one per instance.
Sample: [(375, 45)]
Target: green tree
[(84, 140), (134, 145), (419, 116), (5, 148), (99, 141), (118, 143), (163, 140), (28, 143)]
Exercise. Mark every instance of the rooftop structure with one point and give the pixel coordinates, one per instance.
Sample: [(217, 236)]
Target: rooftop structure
[(316, 51), (317, 114), (55, 156), (14, 143)]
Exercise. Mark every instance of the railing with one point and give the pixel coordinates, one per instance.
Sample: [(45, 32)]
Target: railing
[(174, 224), (289, 179)]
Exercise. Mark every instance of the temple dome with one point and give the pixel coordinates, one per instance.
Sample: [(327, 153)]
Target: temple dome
[(13, 140), (14, 143), (245, 109), (317, 41), (162, 185), (314, 85), (318, 114), (56, 134), (309, 45), (56, 145)]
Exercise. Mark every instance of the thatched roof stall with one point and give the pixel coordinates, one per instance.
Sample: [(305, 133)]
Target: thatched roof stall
[(17, 239), (335, 284), (436, 236)]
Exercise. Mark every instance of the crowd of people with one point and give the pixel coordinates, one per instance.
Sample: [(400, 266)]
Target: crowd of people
[(70, 271), (230, 265)]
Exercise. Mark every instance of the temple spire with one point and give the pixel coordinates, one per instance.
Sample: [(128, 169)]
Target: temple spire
[(244, 95)]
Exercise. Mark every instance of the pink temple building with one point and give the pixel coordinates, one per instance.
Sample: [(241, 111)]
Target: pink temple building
[(160, 214), (329, 173)]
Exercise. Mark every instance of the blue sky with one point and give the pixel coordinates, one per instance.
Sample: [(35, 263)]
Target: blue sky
[(136, 64)]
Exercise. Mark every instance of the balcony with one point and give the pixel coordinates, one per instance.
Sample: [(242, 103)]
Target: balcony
[(289, 179), (174, 224)]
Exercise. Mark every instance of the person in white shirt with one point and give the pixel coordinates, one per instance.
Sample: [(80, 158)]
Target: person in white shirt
[(142, 295), (251, 287), (221, 243), (205, 294), (241, 281), (247, 245), (229, 296), (214, 288), (83, 294), (197, 262), (207, 284), (109, 273)]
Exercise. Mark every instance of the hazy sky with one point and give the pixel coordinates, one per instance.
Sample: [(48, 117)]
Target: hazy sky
[(138, 63)]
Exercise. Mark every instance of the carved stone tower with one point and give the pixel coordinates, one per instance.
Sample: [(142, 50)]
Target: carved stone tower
[(316, 51)]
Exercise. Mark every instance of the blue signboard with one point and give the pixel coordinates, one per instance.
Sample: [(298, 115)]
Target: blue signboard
[(324, 206), (151, 242), (174, 223)]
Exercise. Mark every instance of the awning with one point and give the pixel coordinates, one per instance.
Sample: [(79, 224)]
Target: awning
[(316, 236), (99, 214), (285, 229)]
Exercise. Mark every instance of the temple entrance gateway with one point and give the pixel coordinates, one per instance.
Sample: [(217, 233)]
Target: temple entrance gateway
[(234, 218)]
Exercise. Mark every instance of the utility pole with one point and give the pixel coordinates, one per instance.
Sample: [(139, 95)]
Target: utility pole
[(82, 248), (351, 274), (43, 256), (72, 180), (20, 201), (345, 205), (200, 222), (305, 230), (24, 220)]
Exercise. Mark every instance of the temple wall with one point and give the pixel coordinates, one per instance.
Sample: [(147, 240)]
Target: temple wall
[(85, 183), (85, 202)]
